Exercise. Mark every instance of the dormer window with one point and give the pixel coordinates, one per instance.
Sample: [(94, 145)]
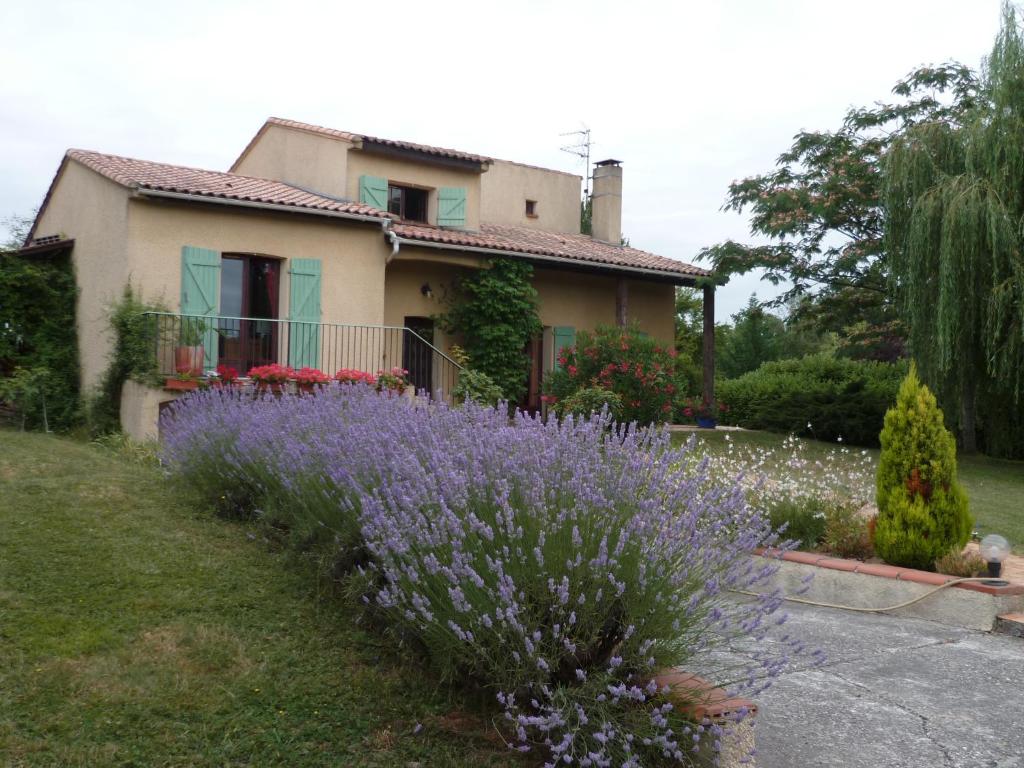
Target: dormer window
[(531, 209), (408, 203)]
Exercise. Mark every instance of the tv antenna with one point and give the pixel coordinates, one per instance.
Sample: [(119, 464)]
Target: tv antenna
[(582, 150)]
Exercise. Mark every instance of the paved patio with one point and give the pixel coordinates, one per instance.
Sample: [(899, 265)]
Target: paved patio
[(895, 692)]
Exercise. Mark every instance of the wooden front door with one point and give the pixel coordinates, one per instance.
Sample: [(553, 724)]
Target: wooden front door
[(534, 351), (249, 298)]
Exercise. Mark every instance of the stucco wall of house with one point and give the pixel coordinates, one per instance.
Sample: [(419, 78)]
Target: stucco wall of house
[(584, 301), (567, 298), (299, 157), (403, 294), (94, 211), (352, 254), (506, 186), (426, 175), (652, 306)]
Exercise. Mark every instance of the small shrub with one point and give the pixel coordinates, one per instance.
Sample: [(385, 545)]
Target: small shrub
[(584, 402), (961, 564), (922, 510), (799, 520), (476, 386), (640, 370), (819, 396), (846, 533)]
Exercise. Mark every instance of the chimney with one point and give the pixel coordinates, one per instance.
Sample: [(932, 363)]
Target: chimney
[(606, 215)]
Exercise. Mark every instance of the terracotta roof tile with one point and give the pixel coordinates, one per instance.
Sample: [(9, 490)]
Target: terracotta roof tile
[(144, 174), (581, 248), (454, 154)]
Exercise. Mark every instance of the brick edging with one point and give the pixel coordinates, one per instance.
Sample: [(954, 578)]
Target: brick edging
[(885, 571), (700, 699)]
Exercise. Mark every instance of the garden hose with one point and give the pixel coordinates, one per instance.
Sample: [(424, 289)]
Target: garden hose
[(917, 599)]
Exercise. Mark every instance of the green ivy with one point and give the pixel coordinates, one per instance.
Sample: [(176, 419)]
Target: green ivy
[(132, 358), (494, 310), (39, 373)]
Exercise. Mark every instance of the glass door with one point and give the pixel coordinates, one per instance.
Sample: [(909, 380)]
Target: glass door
[(249, 287)]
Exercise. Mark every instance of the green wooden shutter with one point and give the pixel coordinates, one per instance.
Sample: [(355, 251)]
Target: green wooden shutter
[(451, 207), (564, 336), (304, 313), (200, 297), (373, 190)]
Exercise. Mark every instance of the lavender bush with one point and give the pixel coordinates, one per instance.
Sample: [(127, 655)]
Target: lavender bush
[(559, 566)]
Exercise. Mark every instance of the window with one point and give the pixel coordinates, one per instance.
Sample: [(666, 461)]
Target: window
[(531, 209), (407, 203)]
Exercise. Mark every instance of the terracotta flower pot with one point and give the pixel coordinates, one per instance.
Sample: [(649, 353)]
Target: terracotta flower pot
[(275, 388), (181, 385), (189, 360)]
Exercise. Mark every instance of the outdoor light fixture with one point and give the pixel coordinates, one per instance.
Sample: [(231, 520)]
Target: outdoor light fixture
[(994, 548), (425, 290)]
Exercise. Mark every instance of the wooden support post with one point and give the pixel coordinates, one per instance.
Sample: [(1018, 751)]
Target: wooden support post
[(622, 303), (709, 343)]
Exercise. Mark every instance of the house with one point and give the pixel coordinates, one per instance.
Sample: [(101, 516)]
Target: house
[(332, 249)]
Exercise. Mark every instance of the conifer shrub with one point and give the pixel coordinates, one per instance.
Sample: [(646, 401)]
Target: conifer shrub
[(922, 509)]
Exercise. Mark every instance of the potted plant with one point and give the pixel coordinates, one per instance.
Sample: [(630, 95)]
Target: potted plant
[(227, 377), (272, 377), (393, 381), (310, 379), (705, 413), (353, 376), (189, 354), (185, 381)]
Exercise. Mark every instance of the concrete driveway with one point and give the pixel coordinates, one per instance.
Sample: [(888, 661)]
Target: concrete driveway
[(901, 693)]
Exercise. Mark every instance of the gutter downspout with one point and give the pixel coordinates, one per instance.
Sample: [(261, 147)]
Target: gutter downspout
[(396, 243)]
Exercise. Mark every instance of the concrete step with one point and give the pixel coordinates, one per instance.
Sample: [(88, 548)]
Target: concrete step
[(1010, 624)]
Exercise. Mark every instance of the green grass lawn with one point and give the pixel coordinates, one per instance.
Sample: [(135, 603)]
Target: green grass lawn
[(138, 630), (995, 487)]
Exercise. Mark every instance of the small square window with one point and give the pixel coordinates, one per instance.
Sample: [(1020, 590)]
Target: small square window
[(408, 203), (531, 209)]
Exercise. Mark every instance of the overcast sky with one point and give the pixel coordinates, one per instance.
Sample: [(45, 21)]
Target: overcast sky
[(690, 95)]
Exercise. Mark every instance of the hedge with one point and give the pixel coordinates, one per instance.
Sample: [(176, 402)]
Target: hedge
[(817, 396)]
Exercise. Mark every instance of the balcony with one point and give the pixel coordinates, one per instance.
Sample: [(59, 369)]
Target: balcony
[(202, 342)]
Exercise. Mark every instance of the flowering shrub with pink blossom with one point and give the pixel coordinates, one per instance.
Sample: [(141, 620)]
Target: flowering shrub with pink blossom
[(640, 370), (558, 565)]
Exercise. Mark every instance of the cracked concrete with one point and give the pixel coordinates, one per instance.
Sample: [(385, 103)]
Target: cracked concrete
[(895, 692)]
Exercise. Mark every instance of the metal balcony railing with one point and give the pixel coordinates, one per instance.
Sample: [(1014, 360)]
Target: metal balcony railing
[(206, 341)]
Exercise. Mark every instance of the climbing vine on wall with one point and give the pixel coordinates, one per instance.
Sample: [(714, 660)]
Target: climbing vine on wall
[(494, 310)]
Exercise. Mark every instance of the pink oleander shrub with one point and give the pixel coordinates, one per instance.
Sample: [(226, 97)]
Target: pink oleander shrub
[(645, 375), (557, 565)]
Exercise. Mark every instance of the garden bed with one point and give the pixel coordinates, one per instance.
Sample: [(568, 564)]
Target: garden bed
[(820, 578)]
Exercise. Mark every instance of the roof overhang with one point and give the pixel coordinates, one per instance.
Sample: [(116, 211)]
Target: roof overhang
[(565, 262), (162, 194), (46, 249), (386, 149)]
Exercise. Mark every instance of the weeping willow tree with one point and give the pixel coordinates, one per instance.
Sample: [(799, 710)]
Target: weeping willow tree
[(954, 198)]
